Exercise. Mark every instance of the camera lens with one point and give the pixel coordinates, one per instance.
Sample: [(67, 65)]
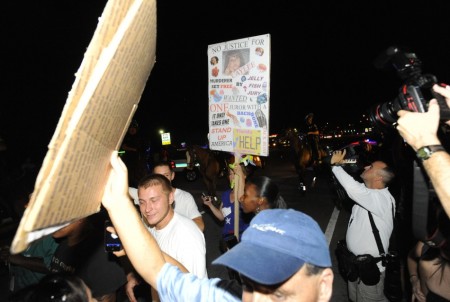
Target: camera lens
[(384, 115)]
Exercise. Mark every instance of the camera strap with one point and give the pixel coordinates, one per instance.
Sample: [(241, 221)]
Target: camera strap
[(420, 204), (376, 233), (420, 210)]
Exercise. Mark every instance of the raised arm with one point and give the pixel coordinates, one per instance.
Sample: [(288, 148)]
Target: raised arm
[(141, 248), (207, 200)]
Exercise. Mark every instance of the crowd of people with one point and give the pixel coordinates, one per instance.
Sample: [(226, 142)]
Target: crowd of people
[(277, 253)]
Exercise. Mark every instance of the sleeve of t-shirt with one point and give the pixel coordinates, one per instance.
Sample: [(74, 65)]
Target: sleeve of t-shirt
[(190, 206), (173, 285)]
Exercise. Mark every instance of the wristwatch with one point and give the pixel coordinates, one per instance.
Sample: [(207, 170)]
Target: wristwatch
[(424, 153)]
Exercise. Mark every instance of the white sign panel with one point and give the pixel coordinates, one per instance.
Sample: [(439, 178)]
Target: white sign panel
[(239, 95), (165, 138)]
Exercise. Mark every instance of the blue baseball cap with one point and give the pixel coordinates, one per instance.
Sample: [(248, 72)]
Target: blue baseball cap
[(276, 245)]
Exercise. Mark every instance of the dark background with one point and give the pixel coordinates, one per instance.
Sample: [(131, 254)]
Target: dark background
[(322, 57)]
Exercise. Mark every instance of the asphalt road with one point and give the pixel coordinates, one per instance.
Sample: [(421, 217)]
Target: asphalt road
[(318, 202)]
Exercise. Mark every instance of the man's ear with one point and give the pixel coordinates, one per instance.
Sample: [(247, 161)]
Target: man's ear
[(326, 285), (171, 197)]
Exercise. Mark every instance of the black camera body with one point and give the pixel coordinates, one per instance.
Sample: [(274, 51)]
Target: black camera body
[(415, 92)]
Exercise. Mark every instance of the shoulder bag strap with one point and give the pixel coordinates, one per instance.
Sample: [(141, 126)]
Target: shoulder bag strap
[(376, 234)]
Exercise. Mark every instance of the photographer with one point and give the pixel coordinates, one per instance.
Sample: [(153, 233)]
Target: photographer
[(420, 131), (371, 198)]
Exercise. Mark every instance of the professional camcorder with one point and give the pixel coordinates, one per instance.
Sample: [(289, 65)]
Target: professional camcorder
[(415, 92)]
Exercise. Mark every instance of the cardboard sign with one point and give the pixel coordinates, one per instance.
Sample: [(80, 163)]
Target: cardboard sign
[(107, 89)]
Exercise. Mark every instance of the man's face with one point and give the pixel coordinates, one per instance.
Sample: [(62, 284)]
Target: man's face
[(165, 171), (301, 287), (155, 205), (371, 171)]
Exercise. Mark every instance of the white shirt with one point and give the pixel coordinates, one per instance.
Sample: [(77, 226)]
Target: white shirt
[(360, 238), (185, 204), (183, 240)]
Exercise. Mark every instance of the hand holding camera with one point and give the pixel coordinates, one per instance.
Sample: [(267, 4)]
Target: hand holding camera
[(420, 129), (208, 200), (112, 241), (338, 157), (414, 94)]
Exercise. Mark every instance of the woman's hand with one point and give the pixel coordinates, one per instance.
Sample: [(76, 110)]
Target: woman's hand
[(207, 200), (417, 290), (122, 251)]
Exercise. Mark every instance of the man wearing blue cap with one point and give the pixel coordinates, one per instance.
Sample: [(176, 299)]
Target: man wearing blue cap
[(282, 255)]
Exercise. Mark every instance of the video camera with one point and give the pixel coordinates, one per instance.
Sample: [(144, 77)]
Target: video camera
[(415, 92)]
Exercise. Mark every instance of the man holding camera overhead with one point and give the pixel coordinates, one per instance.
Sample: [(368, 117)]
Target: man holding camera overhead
[(371, 198)]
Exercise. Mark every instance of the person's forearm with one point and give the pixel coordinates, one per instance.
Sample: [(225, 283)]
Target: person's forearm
[(218, 213), (35, 264), (412, 264), (140, 246), (199, 222), (438, 169)]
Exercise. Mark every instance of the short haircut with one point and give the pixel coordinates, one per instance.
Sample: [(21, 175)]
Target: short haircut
[(155, 180), (387, 174)]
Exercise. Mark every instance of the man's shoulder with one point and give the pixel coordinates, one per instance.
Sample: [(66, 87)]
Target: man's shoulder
[(181, 219), (182, 224), (182, 194)]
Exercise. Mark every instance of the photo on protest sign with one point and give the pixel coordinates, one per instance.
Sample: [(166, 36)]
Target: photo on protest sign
[(239, 95)]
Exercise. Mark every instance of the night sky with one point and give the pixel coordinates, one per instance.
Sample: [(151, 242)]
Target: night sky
[(322, 57)]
